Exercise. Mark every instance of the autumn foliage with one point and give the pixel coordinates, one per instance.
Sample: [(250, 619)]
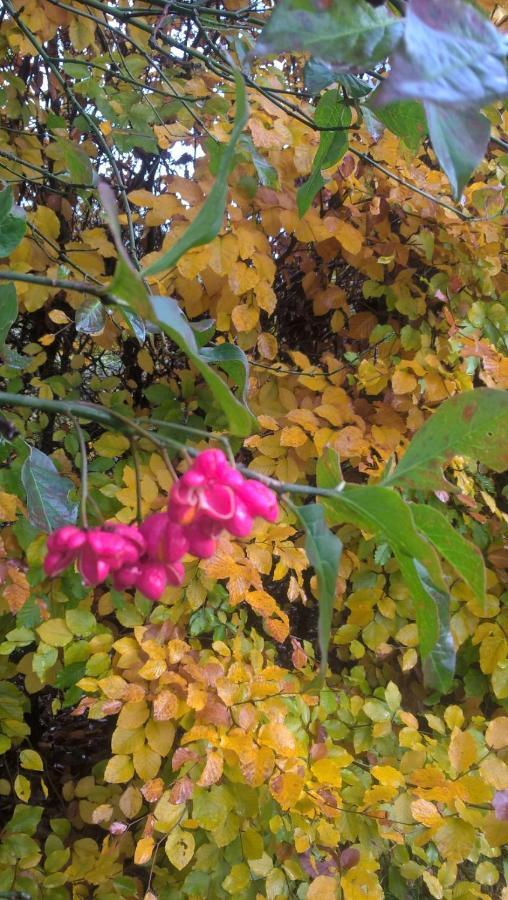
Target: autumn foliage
[(253, 557)]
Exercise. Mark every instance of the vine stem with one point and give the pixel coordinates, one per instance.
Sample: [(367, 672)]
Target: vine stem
[(77, 409)]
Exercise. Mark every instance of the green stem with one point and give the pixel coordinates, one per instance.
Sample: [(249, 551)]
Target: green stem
[(82, 287), (84, 472), (111, 419)]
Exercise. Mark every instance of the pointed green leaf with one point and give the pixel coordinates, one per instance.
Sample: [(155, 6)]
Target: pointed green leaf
[(210, 217), (382, 512), (330, 113), (465, 558), (324, 550), (472, 424), (8, 309), (173, 322)]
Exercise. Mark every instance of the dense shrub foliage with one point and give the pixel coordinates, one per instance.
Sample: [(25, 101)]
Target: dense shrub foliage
[(253, 556)]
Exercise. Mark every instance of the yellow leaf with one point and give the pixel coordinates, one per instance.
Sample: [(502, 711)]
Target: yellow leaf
[(146, 762), (244, 317), (179, 848), (55, 633), (327, 771), (455, 839), (462, 751), (212, 772), (348, 236), (387, 775), (279, 738), (111, 445), (434, 886), (165, 706), (145, 361), (119, 769), (30, 759), (497, 733), (495, 772), (58, 316), (22, 788), (403, 382), (292, 436), (131, 802), (286, 789), (144, 850), (8, 507), (167, 814), (324, 887), (160, 736), (133, 714)]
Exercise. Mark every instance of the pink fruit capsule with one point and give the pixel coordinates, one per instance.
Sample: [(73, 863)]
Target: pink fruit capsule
[(240, 525), (152, 580)]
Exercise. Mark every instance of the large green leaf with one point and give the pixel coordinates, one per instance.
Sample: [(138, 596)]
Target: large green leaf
[(47, 492), (465, 558), (472, 424), (8, 310), (439, 664), (330, 113), (406, 119), (382, 512), (459, 140), (324, 550), (347, 32), (12, 223), (173, 322), (208, 221)]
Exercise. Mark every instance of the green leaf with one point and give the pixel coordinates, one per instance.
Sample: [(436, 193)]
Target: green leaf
[(210, 217), (465, 558), (439, 663), (382, 512), (234, 362), (8, 309), (90, 316), (350, 33), (173, 322), (472, 424), (459, 140), (324, 550), (330, 113), (267, 174), (24, 820), (406, 119), (12, 223), (47, 492), (318, 75), (127, 283)]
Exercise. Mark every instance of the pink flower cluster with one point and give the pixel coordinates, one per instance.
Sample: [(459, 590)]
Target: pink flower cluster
[(210, 497)]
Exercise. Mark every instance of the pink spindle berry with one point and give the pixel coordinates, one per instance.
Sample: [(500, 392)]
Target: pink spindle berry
[(211, 496)]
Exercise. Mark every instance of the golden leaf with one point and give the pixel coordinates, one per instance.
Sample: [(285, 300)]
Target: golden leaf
[(463, 750)]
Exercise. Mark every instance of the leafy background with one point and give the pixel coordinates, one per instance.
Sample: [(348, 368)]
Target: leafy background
[(338, 287)]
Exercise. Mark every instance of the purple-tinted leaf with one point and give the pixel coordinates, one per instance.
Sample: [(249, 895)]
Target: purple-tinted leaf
[(451, 54), (500, 804), (459, 138)]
